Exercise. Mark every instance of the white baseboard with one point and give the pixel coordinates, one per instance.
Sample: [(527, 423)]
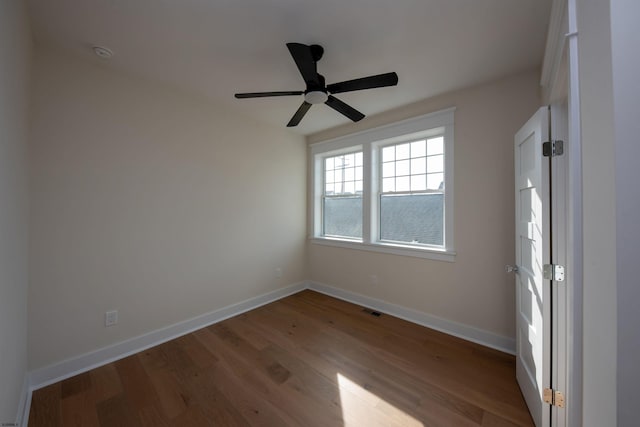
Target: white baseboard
[(459, 330), (62, 370)]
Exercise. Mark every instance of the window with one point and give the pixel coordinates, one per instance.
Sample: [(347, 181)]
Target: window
[(412, 197), (342, 199), (388, 189)]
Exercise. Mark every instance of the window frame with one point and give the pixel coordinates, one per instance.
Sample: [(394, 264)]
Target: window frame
[(370, 142)]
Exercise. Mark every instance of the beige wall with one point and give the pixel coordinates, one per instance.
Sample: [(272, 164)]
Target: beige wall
[(474, 290), (15, 57), (152, 202)]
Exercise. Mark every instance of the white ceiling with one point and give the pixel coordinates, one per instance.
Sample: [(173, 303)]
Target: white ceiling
[(219, 47)]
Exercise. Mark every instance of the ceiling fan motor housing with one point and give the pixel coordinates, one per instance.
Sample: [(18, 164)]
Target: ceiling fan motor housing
[(316, 52), (316, 97), (316, 92)]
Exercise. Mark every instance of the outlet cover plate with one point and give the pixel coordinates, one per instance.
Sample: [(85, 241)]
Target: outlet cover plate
[(111, 318)]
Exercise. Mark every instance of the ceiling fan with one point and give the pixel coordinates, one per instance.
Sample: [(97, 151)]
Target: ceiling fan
[(317, 92)]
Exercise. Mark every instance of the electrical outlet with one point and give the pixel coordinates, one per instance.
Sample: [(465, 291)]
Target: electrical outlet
[(374, 279), (278, 273), (111, 318)]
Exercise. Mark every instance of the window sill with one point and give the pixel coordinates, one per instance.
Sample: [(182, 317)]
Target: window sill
[(387, 248)]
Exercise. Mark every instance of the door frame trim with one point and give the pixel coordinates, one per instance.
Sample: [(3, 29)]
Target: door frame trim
[(559, 124)]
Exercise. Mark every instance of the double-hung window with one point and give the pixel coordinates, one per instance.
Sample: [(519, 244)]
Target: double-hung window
[(411, 209), (342, 198), (388, 189)]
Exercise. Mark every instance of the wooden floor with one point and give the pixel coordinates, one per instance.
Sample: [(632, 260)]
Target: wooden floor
[(306, 360)]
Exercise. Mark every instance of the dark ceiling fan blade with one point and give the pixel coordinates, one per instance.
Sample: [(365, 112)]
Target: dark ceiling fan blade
[(303, 57), (299, 114), (380, 80), (345, 109), (265, 94)]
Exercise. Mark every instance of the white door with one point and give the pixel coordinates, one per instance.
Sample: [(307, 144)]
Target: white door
[(532, 252)]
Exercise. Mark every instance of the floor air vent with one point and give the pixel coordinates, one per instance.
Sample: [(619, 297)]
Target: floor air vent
[(372, 312)]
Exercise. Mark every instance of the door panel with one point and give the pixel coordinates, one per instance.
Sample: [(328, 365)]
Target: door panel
[(532, 252)]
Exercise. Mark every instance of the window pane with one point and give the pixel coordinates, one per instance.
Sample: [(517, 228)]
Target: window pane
[(402, 167), (359, 159), (435, 163), (388, 169), (402, 151), (328, 177), (418, 166), (359, 172), (435, 181), (388, 184), (349, 187), (343, 216), (358, 186), (389, 153), (328, 163), (412, 218), (435, 146), (349, 160), (402, 183), (328, 189), (418, 182), (418, 148), (349, 174)]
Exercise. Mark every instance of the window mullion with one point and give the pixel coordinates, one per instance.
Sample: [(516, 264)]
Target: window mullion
[(375, 189), (367, 200)]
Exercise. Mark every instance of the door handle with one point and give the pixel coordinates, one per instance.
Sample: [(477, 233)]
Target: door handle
[(512, 269)]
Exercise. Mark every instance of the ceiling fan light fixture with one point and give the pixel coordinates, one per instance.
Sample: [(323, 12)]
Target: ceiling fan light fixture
[(316, 97)]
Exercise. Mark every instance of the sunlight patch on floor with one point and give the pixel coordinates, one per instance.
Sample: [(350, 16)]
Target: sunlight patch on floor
[(360, 407)]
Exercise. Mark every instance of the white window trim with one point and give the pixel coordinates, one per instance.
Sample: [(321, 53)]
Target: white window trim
[(439, 122)]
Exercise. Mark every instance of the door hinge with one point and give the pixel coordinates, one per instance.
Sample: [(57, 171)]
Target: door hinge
[(553, 397), (553, 148), (553, 272)]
